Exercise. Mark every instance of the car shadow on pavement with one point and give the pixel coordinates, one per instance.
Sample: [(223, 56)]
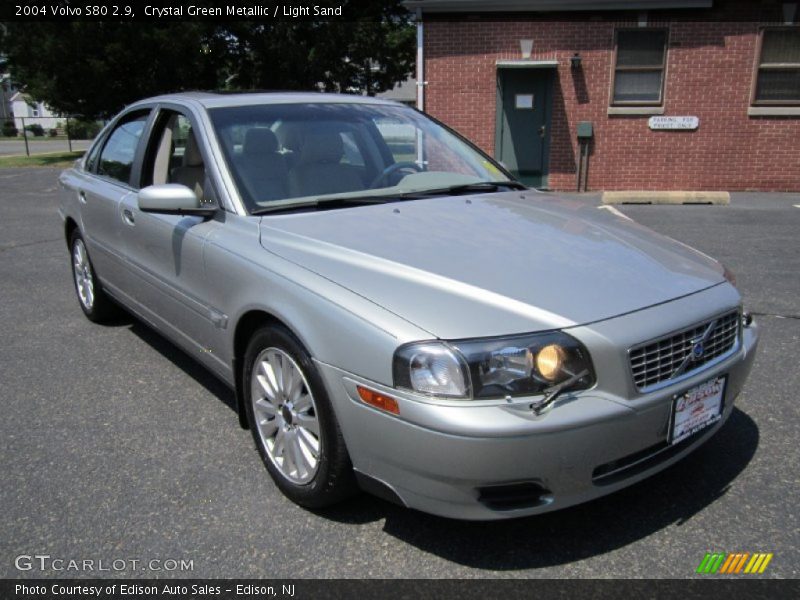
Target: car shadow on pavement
[(180, 359), (671, 497)]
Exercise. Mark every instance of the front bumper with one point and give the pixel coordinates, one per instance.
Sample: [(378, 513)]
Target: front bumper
[(448, 458)]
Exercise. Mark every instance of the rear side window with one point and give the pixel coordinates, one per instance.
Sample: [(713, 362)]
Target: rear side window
[(400, 138), (116, 158), (352, 153)]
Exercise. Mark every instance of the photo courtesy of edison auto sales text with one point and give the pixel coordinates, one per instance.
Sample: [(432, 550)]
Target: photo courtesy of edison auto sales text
[(167, 589)]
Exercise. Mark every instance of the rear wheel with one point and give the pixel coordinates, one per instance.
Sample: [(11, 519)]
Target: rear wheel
[(292, 421), (94, 302)]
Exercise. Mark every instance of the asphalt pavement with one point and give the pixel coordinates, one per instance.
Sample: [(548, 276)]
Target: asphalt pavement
[(118, 447)]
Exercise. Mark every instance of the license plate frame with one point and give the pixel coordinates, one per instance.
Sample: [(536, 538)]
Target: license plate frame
[(706, 400)]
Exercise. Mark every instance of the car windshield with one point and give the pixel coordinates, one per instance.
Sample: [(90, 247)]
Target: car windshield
[(283, 156)]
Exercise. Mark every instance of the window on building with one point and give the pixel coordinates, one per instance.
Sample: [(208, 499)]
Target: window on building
[(640, 61), (777, 80)]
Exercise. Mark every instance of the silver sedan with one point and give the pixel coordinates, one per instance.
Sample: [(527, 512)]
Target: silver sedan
[(396, 313)]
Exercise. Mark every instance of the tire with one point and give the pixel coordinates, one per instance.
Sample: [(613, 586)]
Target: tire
[(94, 302), (292, 421)]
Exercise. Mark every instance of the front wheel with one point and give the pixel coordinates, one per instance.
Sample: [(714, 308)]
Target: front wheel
[(292, 421)]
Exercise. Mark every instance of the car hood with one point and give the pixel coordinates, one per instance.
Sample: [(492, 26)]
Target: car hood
[(492, 264)]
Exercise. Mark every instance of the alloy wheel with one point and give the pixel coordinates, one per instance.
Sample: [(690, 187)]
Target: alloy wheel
[(285, 415), (84, 279)]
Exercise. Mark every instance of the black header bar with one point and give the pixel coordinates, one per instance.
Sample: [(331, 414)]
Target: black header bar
[(177, 10)]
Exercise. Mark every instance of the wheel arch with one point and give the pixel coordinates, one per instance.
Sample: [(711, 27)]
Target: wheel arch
[(70, 225), (246, 325)]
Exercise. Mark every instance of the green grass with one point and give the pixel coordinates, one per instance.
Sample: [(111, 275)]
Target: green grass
[(54, 159), (32, 139)]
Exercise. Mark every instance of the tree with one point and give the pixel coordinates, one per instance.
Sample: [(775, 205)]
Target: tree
[(96, 68), (368, 56)]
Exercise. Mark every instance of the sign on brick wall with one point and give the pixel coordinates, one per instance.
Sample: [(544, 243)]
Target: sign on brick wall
[(674, 122)]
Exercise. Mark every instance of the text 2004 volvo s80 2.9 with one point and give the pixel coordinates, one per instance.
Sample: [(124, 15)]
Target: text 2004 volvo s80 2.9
[(394, 311)]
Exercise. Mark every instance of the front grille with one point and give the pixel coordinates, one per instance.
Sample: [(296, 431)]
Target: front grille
[(671, 357)]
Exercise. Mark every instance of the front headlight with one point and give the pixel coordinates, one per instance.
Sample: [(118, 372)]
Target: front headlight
[(493, 368), (431, 368), (729, 275)]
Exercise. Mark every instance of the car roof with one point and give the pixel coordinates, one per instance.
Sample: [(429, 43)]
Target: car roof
[(218, 99)]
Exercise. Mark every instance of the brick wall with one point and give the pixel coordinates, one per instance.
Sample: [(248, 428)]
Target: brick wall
[(709, 72)]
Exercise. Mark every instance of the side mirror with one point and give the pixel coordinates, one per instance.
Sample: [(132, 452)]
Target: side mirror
[(172, 199)]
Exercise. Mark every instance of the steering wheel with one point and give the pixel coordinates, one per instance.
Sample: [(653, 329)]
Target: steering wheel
[(394, 168)]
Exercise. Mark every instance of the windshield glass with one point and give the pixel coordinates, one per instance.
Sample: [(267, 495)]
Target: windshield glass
[(282, 155)]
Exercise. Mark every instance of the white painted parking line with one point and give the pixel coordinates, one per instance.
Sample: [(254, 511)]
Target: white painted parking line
[(619, 213), (797, 205)]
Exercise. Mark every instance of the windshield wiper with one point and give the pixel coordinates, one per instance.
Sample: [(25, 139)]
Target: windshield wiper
[(356, 200), (466, 188), (338, 202)]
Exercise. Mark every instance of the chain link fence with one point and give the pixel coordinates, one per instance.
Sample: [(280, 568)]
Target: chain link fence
[(46, 135)]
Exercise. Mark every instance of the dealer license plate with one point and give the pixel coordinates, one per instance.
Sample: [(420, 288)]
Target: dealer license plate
[(697, 408)]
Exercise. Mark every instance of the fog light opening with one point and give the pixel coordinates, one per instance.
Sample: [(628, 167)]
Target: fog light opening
[(513, 496)]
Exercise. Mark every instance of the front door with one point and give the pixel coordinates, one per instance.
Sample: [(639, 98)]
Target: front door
[(165, 252), (524, 99)]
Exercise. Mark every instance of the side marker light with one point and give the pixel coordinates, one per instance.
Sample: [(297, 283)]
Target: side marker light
[(378, 400)]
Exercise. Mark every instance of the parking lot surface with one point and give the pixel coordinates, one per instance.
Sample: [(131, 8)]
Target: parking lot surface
[(116, 445)]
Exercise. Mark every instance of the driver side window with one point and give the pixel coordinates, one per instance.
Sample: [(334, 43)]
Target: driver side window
[(175, 155)]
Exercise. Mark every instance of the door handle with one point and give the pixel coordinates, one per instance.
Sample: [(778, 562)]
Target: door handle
[(127, 216), (82, 197), (542, 131)]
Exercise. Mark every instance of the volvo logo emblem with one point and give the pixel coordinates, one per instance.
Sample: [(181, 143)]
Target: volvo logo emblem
[(696, 350)]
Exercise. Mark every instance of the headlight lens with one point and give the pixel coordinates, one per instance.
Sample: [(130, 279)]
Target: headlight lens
[(431, 368), (492, 368), (729, 275)]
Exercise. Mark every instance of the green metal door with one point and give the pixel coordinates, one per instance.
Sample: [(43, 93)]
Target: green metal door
[(523, 123)]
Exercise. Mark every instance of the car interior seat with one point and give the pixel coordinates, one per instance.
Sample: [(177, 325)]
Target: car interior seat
[(319, 170), (263, 167), (192, 173)]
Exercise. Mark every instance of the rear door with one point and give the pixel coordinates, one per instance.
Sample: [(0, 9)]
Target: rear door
[(105, 183)]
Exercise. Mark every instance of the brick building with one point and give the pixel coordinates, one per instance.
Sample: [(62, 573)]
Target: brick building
[(522, 78)]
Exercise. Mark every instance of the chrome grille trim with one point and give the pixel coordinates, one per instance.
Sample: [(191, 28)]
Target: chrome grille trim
[(667, 360)]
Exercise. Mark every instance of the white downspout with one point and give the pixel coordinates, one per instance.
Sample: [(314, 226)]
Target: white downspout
[(420, 63)]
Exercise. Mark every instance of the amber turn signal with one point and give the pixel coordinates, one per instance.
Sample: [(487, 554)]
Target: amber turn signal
[(377, 400)]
